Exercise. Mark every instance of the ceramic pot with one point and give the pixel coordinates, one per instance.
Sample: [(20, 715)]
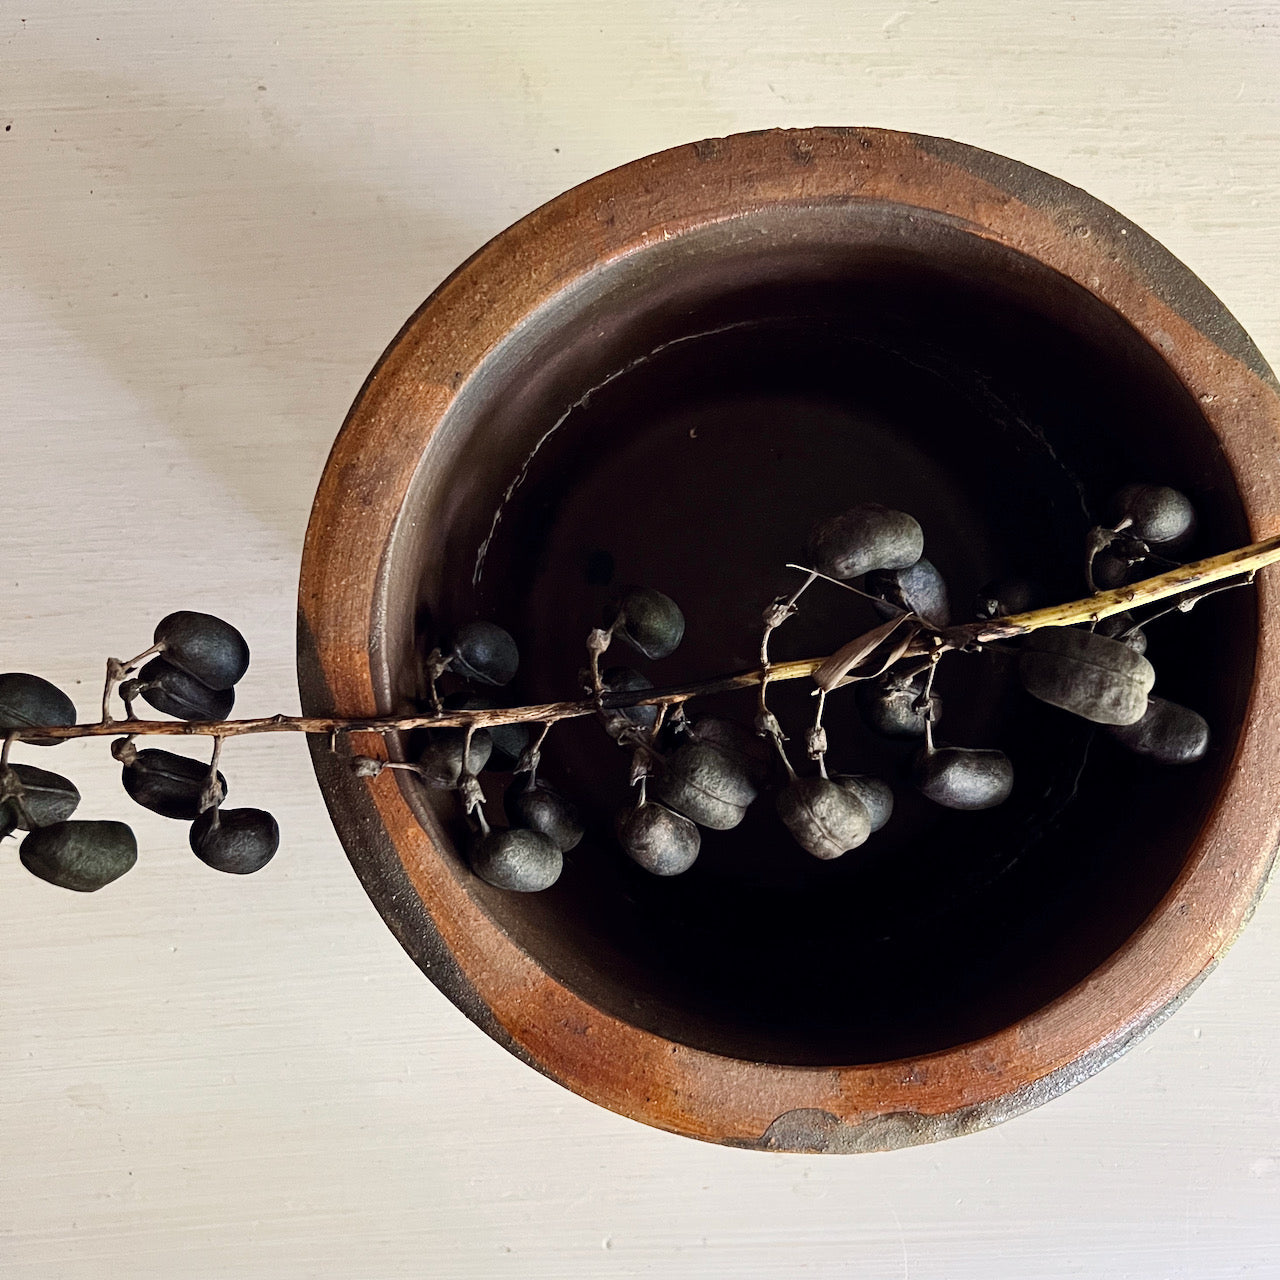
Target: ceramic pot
[(665, 376)]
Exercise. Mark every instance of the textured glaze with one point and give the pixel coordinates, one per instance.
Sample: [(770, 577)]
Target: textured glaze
[(426, 894)]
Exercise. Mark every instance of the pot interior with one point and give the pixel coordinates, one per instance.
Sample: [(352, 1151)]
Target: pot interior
[(679, 418)]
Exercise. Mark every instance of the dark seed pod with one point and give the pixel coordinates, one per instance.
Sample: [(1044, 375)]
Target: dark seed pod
[(826, 819), (1111, 569), (707, 786), (441, 761), (1167, 733), (46, 797), (509, 740), (173, 691), (747, 749), (889, 707), (28, 701), (1006, 596), (519, 859), (648, 621), (1158, 514), (629, 680), (1123, 627), (876, 796), (238, 841), (483, 651), (863, 539), (963, 777), (205, 647), (1087, 674), (82, 856), (168, 784), (917, 589), (662, 841), (546, 811)]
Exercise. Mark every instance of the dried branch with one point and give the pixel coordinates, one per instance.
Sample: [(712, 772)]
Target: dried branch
[(1241, 562)]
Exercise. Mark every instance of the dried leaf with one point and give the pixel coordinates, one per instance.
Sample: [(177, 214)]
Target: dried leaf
[(857, 651)]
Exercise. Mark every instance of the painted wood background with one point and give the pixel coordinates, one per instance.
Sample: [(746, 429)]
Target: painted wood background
[(212, 220)]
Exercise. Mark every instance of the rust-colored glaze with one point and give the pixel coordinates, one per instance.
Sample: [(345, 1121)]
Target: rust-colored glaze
[(445, 927)]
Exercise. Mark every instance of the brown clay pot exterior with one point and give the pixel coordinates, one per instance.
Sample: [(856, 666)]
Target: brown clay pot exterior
[(425, 892)]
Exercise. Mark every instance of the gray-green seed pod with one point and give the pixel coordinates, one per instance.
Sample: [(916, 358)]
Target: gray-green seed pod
[(518, 859), (82, 856), (826, 819), (863, 539), (876, 796), (46, 797), (1123, 627), (1167, 732), (648, 621), (742, 745), (704, 784), (204, 646), (1160, 515), (1087, 674), (237, 841), (171, 690), (28, 702), (918, 589), (663, 842), (963, 777), (441, 759), (545, 810), (168, 784)]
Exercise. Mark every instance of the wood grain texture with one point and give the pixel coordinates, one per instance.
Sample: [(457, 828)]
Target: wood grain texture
[(212, 223)]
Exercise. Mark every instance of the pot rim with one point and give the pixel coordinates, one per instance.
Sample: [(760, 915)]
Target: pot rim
[(422, 892)]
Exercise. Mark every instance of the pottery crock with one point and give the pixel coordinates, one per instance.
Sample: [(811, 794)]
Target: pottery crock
[(662, 376)]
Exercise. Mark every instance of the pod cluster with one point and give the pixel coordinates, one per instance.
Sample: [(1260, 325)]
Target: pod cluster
[(189, 672)]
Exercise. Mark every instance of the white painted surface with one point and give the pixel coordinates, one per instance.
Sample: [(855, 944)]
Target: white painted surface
[(211, 223)]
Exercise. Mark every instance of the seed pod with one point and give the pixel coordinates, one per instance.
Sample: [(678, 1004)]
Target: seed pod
[(629, 680), (1123, 627), (889, 707), (546, 811), (519, 859), (1006, 596), (441, 760), (168, 784), (1167, 733), (483, 651), (77, 855), (1087, 674), (662, 841), (747, 749), (917, 589), (205, 647), (1158, 514), (238, 841), (876, 796), (1111, 569), (509, 740), (28, 701), (705, 785), (863, 539), (826, 819), (963, 777), (46, 797), (173, 691), (648, 621)]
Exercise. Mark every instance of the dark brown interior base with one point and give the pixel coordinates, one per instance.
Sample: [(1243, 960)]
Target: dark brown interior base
[(680, 420)]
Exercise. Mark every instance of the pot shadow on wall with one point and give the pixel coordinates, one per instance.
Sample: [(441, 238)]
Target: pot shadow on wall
[(237, 289)]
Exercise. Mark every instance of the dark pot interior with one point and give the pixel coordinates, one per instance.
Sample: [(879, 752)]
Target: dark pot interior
[(679, 418)]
